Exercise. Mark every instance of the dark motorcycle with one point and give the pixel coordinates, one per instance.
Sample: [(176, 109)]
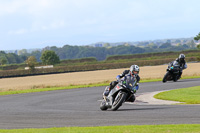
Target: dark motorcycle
[(172, 72), (119, 94)]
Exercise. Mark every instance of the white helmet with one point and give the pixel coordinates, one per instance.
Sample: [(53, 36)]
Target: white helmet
[(181, 57), (134, 69)]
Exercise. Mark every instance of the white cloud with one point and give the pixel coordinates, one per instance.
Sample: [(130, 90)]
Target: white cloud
[(72, 20), (24, 6), (42, 25), (17, 32)]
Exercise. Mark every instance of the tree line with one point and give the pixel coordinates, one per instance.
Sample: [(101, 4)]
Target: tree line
[(100, 53)]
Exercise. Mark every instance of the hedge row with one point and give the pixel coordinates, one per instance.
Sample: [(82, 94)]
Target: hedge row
[(165, 54), (89, 67), (17, 66), (13, 66)]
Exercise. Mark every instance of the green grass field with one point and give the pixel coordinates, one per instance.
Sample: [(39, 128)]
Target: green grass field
[(179, 128), (189, 95)]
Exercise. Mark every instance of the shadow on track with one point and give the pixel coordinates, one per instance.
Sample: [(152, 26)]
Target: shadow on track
[(151, 108), (184, 80)]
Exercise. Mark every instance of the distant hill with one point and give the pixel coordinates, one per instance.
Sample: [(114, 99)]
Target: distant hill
[(158, 42)]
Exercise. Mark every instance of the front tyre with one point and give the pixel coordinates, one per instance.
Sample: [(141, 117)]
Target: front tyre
[(119, 99), (166, 77), (103, 105)]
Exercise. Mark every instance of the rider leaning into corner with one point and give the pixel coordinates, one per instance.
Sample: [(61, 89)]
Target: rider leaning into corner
[(182, 63), (134, 71)]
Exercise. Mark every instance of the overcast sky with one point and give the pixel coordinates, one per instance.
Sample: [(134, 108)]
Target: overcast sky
[(27, 24)]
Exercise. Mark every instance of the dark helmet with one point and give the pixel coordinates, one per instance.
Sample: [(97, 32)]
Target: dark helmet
[(181, 57), (134, 69)]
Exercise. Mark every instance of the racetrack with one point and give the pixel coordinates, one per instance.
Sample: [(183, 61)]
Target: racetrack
[(80, 107)]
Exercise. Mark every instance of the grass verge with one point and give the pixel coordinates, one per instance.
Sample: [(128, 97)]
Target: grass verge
[(189, 95), (51, 88), (179, 128)]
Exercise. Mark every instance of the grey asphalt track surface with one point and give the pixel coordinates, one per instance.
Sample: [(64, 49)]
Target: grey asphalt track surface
[(80, 107)]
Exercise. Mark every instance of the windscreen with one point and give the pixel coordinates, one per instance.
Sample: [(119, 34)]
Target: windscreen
[(129, 81)]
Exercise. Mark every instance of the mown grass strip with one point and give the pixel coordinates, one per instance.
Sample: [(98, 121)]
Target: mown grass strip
[(105, 83), (51, 88), (189, 95), (179, 128)]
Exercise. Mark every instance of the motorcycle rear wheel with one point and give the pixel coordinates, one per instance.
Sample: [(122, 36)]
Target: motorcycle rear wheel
[(175, 79), (119, 99)]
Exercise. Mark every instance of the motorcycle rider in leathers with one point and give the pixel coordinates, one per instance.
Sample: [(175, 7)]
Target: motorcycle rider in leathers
[(134, 71), (182, 63)]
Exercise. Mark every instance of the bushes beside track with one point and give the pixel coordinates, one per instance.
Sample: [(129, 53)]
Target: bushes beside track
[(91, 64), (87, 67), (188, 53)]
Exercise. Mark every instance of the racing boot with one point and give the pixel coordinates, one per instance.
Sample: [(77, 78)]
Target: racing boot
[(131, 98)]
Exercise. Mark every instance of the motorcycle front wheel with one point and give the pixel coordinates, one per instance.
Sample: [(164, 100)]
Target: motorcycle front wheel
[(103, 105), (119, 99), (166, 77)]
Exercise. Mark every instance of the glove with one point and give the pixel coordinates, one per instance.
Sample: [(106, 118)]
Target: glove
[(137, 87), (134, 90), (118, 78)]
